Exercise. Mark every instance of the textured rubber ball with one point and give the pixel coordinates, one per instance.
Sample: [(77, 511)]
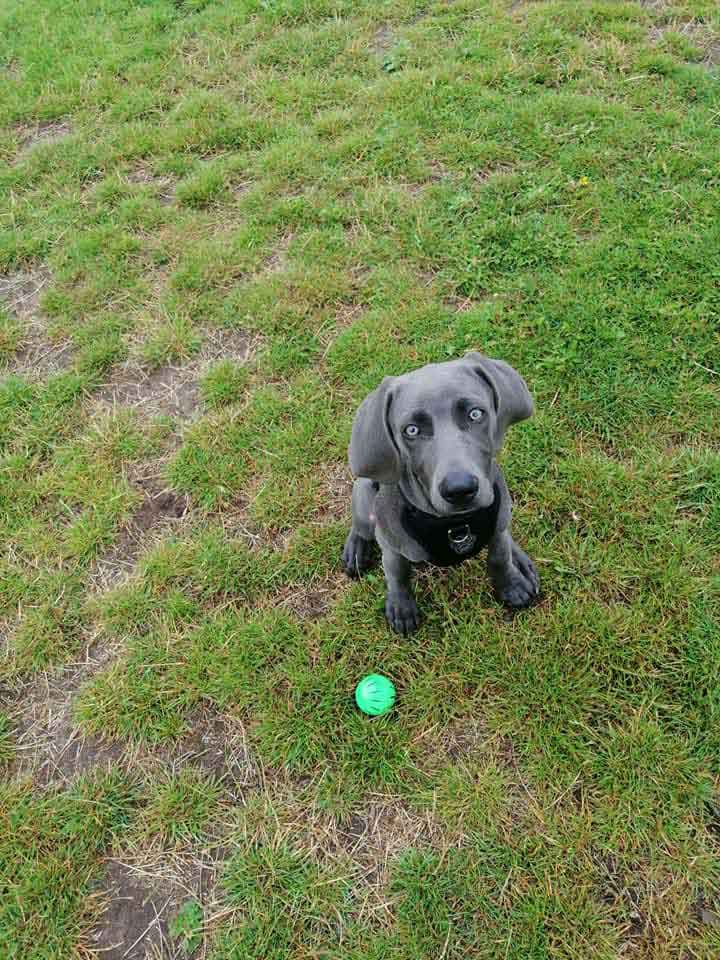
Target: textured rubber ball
[(375, 694)]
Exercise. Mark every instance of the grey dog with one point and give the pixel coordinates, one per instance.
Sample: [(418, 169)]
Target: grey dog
[(428, 487)]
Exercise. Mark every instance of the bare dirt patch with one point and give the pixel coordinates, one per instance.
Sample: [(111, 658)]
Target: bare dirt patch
[(37, 355), (617, 594), (217, 749), (144, 889), (468, 742), (278, 259), (52, 748), (43, 132), (334, 495), (21, 291), (377, 834), (157, 505), (314, 601), (214, 743), (239, 190), (345, 315), (142, 897), (366, 840), (651, 908), (462, 739), (699, 34), (708, 912), (157, 515), (462, 304), (237, 523), (50, 745), (498, 170), (174, 388), (39, 358), (165, 187), (437, 173), (166, 389), (382, 41), (414, 189)]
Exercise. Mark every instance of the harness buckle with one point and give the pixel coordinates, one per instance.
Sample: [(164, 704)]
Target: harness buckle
[(461, 539)]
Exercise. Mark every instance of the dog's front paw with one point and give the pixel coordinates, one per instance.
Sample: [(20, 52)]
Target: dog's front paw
[(357, 555), (402, 613), (520, 587)]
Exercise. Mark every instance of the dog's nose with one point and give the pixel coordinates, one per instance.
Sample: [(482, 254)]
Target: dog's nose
[(458, 486)]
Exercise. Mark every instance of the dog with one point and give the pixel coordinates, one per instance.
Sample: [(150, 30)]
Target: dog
[(428, 488)]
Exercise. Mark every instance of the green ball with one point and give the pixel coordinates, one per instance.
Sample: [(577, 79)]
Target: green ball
[(375, 694)]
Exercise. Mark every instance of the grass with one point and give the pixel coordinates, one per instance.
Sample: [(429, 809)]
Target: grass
[(221, 224), (49, 845)]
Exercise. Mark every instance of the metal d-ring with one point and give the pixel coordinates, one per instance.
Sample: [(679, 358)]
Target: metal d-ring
[(462, 539)]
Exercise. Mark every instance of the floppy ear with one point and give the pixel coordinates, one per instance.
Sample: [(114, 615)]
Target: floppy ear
[(510, 393), (373, 453)]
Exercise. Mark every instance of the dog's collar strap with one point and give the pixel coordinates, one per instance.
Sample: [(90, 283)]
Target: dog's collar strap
[(450, 540)]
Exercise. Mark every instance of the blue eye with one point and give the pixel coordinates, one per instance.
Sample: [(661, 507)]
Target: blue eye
[(411, 430), (476, 414)]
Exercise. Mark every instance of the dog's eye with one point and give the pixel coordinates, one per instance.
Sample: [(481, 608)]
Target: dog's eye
[(411, 430), (476, 414)]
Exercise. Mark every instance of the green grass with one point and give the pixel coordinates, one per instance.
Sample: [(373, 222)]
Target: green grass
[(356, 189), (186, 928), (178, 809), (49, 847)]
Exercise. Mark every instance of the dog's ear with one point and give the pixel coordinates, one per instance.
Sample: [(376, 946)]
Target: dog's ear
[(510, 393), (373, 453)]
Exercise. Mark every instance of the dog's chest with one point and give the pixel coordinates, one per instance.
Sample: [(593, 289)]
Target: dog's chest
[(450, 540)]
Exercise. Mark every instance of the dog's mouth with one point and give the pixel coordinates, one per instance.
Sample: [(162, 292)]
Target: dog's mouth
[(448, 512), (459, 512), (462, 508), (431, 502)]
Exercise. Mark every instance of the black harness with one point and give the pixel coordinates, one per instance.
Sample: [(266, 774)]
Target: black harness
[(450, 540)]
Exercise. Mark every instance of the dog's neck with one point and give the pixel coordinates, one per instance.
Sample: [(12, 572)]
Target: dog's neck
[(448, 540)]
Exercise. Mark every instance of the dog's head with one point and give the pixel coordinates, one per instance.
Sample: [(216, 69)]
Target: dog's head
[(437, 430)]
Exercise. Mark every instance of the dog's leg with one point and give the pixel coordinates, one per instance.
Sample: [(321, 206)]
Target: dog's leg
[(512, 572), (357, 553), (401, 610)]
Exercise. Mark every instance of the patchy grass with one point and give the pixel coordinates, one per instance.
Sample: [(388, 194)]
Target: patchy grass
[(50, 845), (221, 224)]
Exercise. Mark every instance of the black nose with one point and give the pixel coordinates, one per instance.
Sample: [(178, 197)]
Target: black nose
[(458, 486)]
